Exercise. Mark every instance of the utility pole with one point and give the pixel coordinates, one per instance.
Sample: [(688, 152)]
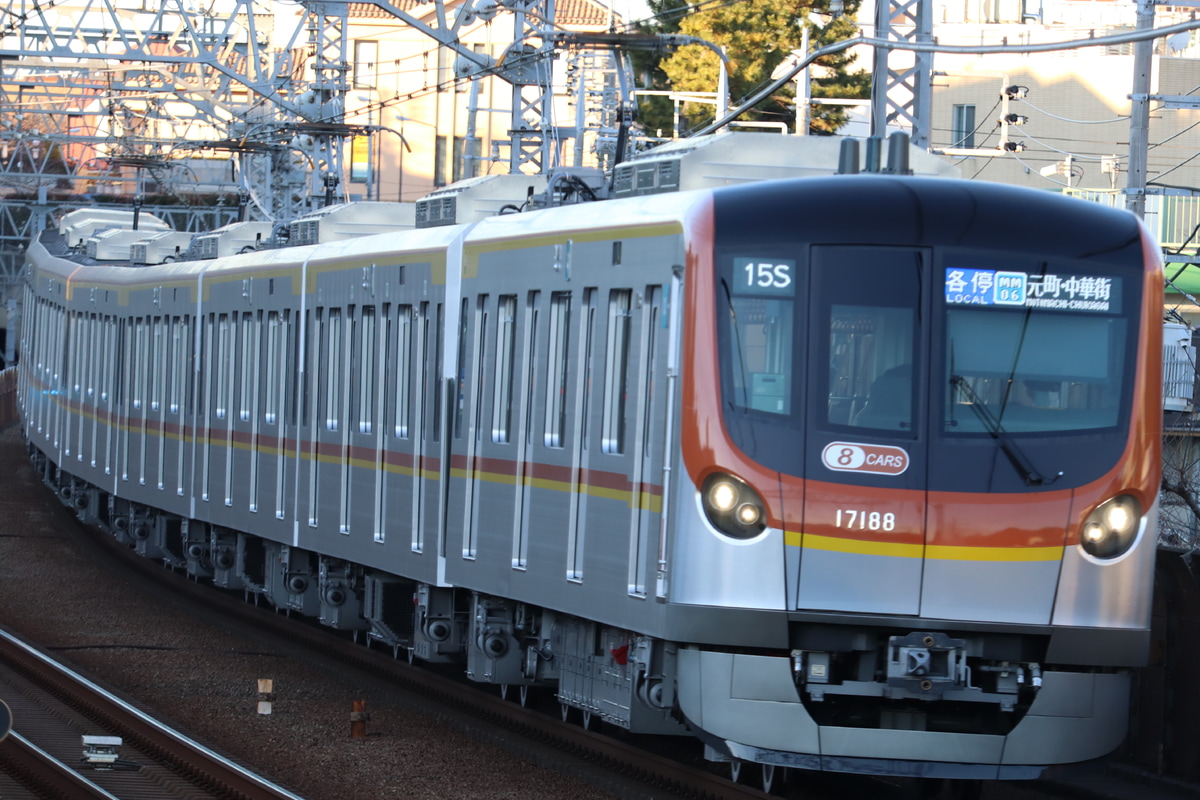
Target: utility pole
[(1139, 112), (903, 94)]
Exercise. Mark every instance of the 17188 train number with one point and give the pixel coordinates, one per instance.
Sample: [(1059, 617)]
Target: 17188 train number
[(860, 519)]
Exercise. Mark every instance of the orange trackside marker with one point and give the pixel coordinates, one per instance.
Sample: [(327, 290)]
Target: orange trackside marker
[(358, 719)]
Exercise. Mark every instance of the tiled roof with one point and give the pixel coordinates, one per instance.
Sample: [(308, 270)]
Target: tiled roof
[(372, 11), (567, 13)]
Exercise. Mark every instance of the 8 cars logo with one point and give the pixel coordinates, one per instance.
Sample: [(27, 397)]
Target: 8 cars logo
[(855, 457)]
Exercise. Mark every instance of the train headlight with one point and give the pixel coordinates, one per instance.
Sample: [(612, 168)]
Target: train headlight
[(1111, 528), (732, 507)]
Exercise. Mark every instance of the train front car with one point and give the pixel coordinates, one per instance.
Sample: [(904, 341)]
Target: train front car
[(921, 421)]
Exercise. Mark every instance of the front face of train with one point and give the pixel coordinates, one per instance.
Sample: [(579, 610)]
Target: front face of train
[(932, 447)]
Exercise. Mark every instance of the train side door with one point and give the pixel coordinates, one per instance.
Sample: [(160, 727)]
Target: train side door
[(863, 535)]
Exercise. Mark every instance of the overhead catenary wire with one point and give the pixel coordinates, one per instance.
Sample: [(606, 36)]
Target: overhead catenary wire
[(1122, 118), (933, 47)]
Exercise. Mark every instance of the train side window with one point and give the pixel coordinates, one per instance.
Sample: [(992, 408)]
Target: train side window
[(557, 361), (422, 355), (533, 314), (318, 347), (275, 337), (249, 353), (158, 358), (460, 384), (122, 370), (333, 358), (224, 358), (140, 351), (653, 323), (178, 360), (366, 370), (439, 342), (295, 367), (616, 374), (585, 385), (481, 327), (90, 357), (75, 320), (404, 371), (105, 379), (506, 340)]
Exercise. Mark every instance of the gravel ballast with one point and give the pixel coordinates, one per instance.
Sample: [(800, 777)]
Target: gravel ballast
[(201, 676)]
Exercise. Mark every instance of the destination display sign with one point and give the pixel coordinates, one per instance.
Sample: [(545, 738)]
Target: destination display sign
[(992, 287)]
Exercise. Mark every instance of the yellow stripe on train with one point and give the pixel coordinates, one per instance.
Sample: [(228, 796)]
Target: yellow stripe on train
[(903, 550)]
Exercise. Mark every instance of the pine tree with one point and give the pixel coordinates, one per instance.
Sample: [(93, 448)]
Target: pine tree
[(757, 35)]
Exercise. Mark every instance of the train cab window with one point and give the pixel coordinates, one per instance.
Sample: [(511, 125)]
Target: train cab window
[(760, 309), (870, 367), (1053, 367), (867, 334)]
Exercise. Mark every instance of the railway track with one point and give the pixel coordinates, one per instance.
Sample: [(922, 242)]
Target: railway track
[(533, 727), (74, 739), (494, 714)]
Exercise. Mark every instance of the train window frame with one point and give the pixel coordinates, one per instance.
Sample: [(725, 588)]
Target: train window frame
[(402, 416), (1052, 317), (249, 362), (160, 353), (533, 314), (274, 363), (616, 371), (315, 401), (219, 366), (439, 341), (140, 351), (479, 345), (178, 359), (557, 370), (421, 409), (890, 373), (333, 360), (464, 324), (75, 355), (368, 354), (877, 288), (505, 366), (577, 522)]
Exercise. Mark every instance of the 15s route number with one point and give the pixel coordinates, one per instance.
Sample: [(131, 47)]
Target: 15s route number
[(755, 276), (768, 276), (863, 520)]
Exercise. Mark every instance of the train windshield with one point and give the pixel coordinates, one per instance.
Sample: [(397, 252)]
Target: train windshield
[(759, 298), (1032, 354)]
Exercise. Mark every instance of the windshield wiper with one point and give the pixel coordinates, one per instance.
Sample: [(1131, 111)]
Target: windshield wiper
[(1025, 468)]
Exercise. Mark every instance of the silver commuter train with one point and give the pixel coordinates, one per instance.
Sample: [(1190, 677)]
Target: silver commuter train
[(634, 451)]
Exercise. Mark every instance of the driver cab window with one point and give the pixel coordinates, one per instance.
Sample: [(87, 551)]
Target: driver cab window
[(870, 367), (762, 354)]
